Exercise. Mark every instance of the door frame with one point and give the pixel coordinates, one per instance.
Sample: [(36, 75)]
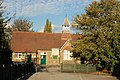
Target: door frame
[(43, 54)]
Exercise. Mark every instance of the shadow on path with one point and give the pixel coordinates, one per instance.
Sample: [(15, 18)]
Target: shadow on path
[(26, 76), (38, 69)]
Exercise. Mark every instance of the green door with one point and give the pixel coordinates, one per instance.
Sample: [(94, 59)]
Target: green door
[(29, 58), (43, 59)]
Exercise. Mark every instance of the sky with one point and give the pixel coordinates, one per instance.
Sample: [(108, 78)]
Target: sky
[(38, 11)]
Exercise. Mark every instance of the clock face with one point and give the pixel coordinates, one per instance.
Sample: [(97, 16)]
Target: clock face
[(66, 29)]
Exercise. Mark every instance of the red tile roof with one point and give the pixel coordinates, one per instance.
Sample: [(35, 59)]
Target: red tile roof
[(32, 41), (66, 36)]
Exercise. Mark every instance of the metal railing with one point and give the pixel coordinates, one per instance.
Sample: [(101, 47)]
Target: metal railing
[(15, 71)]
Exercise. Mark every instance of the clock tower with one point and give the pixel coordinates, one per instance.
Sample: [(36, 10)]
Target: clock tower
[(66, 26)]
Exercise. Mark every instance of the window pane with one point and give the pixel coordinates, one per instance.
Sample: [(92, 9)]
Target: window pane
[(67, 55), (70, 58)]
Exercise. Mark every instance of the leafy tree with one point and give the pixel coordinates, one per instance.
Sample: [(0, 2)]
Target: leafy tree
[(22, 25), (101, 30), (48, 27), (5, 52)]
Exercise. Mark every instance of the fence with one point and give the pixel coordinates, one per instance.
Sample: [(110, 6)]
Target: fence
[(15, 71), (78, 68)]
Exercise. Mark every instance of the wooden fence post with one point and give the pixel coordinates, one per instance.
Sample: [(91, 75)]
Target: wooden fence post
[(60, 66), (87, 68), (74, 67)]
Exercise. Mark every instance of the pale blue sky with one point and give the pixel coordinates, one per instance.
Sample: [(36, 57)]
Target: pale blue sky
[(39, 10)]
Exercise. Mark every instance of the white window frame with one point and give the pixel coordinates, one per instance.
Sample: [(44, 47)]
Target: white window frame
[(19, 57), (67, 55), (55, 51)]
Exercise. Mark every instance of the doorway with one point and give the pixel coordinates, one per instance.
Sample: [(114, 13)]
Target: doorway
[(43, 58), (29, 58)]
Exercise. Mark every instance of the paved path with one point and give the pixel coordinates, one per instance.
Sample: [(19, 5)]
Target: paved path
[(52, 74)]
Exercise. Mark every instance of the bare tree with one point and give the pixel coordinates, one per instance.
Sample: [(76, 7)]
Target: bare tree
[(22, 25)]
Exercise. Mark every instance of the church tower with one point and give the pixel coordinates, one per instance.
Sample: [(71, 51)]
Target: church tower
[(66, 26), (66, 30)]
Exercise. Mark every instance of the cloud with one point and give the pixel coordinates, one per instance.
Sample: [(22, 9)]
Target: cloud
[(56, 28), (41, 29), (37, 7)]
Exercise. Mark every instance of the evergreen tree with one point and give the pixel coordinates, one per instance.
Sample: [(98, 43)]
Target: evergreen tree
[(48, 27), (101, 30), (5, 52)]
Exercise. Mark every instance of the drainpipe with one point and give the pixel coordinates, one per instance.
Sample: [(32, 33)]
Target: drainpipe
[(36, 57), (59, 56), (59, 60), (26, 57)]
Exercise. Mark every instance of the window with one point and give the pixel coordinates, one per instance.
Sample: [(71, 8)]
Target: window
[(18, 55), (67, 55), (55, 53)]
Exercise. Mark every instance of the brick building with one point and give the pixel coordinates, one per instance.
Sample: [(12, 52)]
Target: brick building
[(44, 48)]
